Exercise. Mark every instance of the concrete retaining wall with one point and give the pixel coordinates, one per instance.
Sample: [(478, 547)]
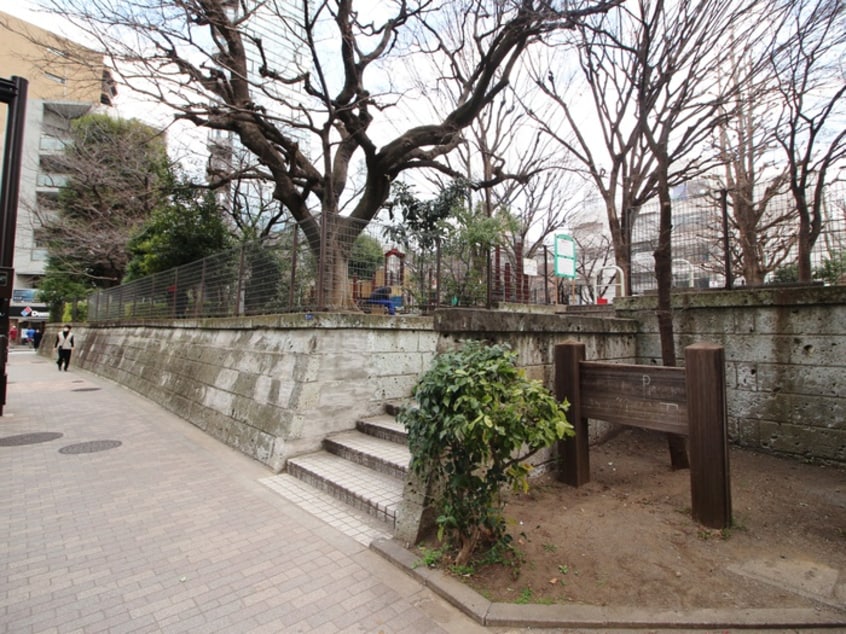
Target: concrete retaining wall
[(786, 361), (272, 387)]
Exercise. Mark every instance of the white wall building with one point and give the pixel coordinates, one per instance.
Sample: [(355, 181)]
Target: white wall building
[(66, 81)]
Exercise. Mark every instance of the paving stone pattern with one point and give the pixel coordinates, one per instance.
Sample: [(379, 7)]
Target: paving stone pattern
[(171, 531)]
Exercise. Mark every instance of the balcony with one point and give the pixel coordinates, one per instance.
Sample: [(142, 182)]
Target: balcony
[(67, 110)]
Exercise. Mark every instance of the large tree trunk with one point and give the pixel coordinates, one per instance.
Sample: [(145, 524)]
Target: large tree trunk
[(808, 232), (621, 238), (664, 275), (747, 225), (337, 236)]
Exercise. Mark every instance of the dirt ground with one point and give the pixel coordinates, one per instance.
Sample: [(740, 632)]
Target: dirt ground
[(627, 538)]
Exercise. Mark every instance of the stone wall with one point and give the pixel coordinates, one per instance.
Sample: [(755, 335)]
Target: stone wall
[(274, 387), (785, 355), (271, 387)]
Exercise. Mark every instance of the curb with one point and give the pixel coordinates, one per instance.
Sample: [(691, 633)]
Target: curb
[(492, 614)]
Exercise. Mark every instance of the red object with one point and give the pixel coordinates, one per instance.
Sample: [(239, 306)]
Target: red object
[(601, 300)]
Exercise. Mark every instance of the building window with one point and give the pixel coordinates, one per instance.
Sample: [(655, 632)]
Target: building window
[(52, 144), (56, 78)]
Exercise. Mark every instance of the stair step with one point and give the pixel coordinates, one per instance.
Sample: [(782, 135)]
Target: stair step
[(392, 408), (370, 451), (377, 494), (383, 426), (354, 523)]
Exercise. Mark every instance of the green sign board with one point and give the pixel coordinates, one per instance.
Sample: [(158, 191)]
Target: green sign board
[(565, 256)]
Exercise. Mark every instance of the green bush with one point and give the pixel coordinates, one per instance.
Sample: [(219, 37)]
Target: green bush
[(477, 419)]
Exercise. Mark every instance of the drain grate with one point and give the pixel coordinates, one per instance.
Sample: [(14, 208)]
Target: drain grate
[(29, 439), (85, 389), (91, 446)]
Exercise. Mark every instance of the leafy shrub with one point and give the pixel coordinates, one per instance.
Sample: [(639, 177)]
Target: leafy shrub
[(833, 269), (477, 419)]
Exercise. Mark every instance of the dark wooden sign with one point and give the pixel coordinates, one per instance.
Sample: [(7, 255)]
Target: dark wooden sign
[(689, 401), (652, 397)]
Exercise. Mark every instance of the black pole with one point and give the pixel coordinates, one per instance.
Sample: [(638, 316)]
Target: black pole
[(726, 242), (13, 93)]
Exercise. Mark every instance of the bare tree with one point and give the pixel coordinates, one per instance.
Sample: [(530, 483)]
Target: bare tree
[(807, 64), (752, 181), (212, 63), (506, 163), (113, 175), (649, 70)]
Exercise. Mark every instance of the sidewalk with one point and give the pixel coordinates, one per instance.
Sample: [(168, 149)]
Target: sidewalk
[(118, 516)]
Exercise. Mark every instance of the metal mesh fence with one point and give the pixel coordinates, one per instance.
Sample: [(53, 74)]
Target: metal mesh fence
[(362, 269), (704, 256)]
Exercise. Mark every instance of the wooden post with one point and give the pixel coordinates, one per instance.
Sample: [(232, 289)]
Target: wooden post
[(573, 453), (710, 490)]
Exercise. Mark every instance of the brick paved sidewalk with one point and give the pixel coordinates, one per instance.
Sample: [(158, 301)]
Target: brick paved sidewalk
[(117, 516)]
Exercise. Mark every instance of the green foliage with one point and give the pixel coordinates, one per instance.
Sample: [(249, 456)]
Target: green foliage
[(366, 258), (786, 274), (429, 557), (466, 253), (525, 597), (477, 419), (464, 236), (183, 229), (74, 311), (424, 221), (57, 286), (833, 269)]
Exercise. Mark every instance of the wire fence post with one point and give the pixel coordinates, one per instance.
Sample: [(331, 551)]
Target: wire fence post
[(726, 244), (239, 292), (200, 293), (321, 263), (295, 253)]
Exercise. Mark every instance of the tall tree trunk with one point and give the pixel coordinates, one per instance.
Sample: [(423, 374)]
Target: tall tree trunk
[(804, 240), (664, 275)]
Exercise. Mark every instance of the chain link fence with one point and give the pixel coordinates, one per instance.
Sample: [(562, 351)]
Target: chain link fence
[(362, 269), (710, 251)]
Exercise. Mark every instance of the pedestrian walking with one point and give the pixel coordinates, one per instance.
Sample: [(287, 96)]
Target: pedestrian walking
[(36, 338), (64, 347)]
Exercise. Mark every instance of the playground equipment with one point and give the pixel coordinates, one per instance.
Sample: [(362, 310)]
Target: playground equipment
[(620, 282)]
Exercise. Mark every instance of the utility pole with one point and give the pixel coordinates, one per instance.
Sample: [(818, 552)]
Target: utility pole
[(13, 93)]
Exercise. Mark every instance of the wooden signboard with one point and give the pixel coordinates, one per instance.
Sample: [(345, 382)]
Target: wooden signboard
[(689, 401), (646, 396)]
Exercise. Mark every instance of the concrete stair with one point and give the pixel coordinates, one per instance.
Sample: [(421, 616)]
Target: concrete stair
[(364, 468)]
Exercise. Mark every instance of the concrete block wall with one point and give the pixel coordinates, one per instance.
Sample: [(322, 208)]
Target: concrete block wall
[(534, 336), (785, 355), (271, 387), (274, 387)]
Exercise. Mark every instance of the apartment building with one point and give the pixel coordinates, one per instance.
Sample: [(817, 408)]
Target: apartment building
[(66, 81)]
